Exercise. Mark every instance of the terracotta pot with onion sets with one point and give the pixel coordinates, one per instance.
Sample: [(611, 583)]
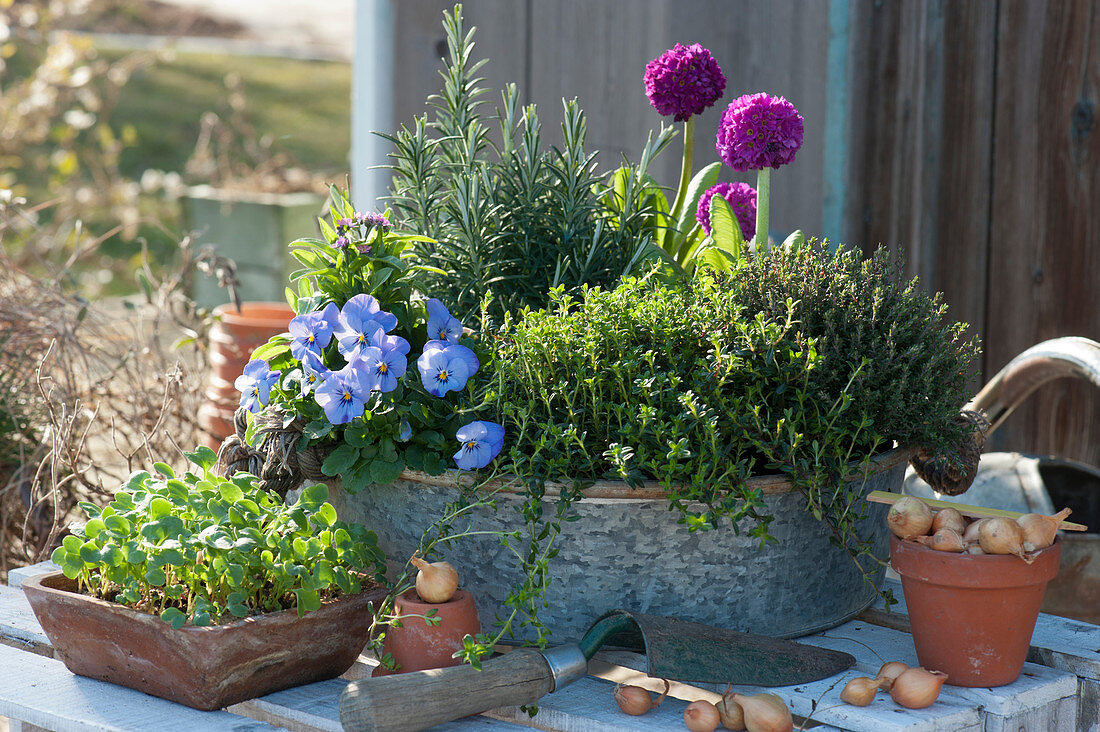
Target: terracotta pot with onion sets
[(972, 615), (232, 339)]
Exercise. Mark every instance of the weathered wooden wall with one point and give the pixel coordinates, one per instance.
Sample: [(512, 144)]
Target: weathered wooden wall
[(976, 151), (596, 50), (969, 139)]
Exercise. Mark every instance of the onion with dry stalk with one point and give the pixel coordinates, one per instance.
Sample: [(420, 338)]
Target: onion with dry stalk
[(859, 692), (909, 518), (765, 713), (436, 582), (970, 535), (636, 701), (1001, 536), (730, 713), (890, 671), (944, 540), (1039, 530), (701, 716), (949, 518), (917, 688)]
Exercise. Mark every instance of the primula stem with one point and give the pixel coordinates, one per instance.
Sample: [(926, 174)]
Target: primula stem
[(763, 194), (685, 170)]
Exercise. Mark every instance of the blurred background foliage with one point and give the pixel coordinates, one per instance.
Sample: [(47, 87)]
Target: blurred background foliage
[(110, 137)]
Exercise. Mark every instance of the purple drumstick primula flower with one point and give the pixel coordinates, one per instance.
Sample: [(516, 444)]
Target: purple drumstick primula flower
[(683, 81), (345, 392), (481, 442), (255, 385), (442, 326), (742, 199), (385, 367), (359, 320), (313, 331), (314, 372), (759, 131), (445, 367)]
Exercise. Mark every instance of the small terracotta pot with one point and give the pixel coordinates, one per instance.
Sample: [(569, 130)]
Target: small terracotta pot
[(972, 615), (233, 338), (205, 668), (416, 645)]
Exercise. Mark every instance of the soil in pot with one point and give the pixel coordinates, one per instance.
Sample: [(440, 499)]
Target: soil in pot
[(416, 645), (972, 616), (205, 668)]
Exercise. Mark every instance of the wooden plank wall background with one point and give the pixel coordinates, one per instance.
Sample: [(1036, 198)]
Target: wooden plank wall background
[(970, 140)]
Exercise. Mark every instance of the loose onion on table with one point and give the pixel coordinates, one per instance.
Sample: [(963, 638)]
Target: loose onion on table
[(765, 713), (890, 671), (917, 688), (859, 692), (701, 716), (730, 713), (636, 701)]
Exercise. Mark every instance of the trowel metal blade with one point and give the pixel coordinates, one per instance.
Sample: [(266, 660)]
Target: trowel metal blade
[(687, 651)]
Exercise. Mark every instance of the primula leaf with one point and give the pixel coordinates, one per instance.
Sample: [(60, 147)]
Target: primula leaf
[(271, 350), (317, 429), (725, 230), (703, 180)]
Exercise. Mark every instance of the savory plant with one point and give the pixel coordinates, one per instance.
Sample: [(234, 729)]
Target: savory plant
[(203, 549), (515, 219), (798, 361)]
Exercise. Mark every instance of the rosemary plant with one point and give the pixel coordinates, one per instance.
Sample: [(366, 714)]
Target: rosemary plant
[(512, 218)]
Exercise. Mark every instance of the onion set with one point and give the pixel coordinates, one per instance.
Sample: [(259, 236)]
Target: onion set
[(636, 701), (436, 582), (917, 688), (765, 713), (701, 716)]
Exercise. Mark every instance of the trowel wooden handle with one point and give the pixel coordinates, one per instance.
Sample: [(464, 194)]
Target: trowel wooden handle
[(420, 699)]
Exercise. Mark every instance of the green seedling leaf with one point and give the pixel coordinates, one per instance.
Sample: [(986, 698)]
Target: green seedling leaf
[(164, 469), (155, 577), (174, 616), (93, 528), (231, 492), (307, 601)]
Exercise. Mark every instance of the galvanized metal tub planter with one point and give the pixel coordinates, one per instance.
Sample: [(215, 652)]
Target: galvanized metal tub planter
[(626, 550)]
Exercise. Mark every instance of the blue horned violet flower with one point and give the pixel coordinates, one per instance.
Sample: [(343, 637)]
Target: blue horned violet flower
[(442, 326), (384, 367), (255, 385), (390, 342), (481, 443), (314, 372), (359, 320), (313, 331), (445, 367), (344, 393)]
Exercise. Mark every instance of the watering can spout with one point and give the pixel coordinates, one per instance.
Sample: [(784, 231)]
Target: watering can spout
[(1046, 361)]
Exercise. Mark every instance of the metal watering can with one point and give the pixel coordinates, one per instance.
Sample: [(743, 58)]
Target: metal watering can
[(1038, 484)]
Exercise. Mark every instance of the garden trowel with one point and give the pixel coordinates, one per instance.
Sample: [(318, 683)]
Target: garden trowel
[(674, 649)]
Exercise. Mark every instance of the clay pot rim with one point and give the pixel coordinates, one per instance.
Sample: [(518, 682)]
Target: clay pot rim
[(43, 583), (410, 598), (650, 489), (265, 314), (973, 571)]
